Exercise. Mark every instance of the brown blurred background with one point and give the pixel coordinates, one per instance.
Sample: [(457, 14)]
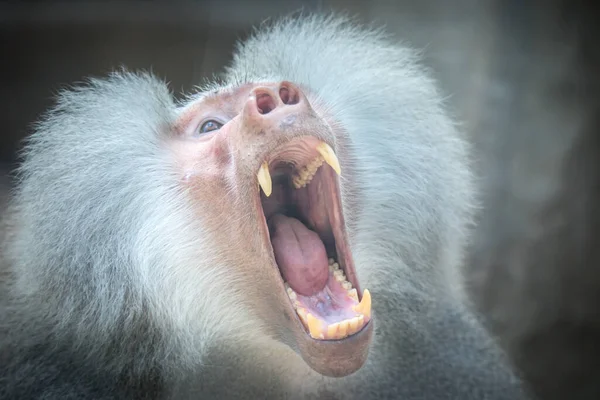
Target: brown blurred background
[(521, 76)]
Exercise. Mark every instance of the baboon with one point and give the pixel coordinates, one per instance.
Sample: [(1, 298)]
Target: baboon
[(294, 229)]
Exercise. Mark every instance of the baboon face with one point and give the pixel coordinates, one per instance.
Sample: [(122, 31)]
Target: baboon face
[(262, 157)]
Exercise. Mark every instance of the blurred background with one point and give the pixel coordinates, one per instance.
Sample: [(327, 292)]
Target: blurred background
[(521, 77)]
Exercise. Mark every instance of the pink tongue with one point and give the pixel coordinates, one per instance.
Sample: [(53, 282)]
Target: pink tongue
[(300, 254)]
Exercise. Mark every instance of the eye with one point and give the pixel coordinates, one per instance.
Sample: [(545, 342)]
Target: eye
[(210, 126)]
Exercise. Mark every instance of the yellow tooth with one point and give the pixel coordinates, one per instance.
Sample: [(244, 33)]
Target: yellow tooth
[(315, 165), (336, 265), (329, 156), (353, 325), (264, 179), (314, 326), (353, 294), (347, 285), (302, 313), (360, 322), (332, 330), (292, 295), (343, 329), (364, 307)]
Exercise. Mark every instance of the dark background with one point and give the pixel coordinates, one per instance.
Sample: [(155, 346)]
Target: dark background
[(521, 76)]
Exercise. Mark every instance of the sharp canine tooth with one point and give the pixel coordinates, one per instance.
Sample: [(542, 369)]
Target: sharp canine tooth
[(314, 326), (364, 307), (264, 179), (329, 156)]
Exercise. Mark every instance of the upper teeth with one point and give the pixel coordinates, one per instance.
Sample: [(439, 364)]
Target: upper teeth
[(329, 156), (306, 174), (264, 179)]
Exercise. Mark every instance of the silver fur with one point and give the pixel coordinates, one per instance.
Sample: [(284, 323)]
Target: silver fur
[(116, 290)]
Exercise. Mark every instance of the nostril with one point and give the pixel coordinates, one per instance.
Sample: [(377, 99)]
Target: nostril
[(289, 95), (265, 103)]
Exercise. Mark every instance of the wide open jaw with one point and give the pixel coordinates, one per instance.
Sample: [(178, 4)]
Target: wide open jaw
[(301, 204)]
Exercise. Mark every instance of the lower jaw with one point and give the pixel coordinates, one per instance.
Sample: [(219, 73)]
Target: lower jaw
[(343, 277), (334, 353), (335, 358), (331, 357), (333, 313)]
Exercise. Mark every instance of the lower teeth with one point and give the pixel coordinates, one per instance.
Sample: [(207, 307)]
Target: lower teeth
[(341, 329)]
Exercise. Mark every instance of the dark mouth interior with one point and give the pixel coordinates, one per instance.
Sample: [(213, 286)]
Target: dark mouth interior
[(284, 199), (306, 233), (299, 228)]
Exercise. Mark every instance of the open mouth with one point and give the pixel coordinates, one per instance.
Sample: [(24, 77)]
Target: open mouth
[(303, 214)]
